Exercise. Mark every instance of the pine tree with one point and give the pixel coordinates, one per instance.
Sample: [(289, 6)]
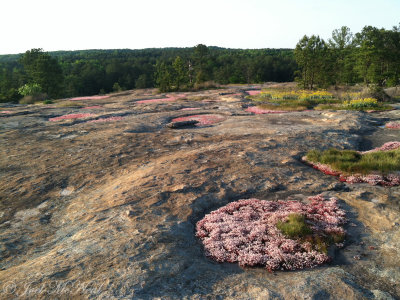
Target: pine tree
[(44, 70)]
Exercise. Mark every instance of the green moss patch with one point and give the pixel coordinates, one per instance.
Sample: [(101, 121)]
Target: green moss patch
[(294, 227)]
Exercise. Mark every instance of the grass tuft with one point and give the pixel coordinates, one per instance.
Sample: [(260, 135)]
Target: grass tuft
[(353, 162), (294, 227)]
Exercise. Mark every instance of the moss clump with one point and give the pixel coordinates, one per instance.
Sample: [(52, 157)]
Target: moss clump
[(354, 162), (294, 227)]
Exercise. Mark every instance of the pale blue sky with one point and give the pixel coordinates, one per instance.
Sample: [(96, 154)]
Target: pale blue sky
[(88, 24)]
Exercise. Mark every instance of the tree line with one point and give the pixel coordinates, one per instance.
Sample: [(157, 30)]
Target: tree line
[(90, 72), (371, 57)]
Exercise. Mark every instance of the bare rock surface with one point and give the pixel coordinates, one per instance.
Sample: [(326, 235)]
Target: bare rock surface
[(108, 210)]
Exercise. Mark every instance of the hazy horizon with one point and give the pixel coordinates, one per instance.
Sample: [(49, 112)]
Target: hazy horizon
[(90, 25)]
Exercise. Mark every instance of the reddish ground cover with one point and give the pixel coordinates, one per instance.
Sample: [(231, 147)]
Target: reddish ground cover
[(202, 119), (92, 107), (110, 119), (393, 125), (385, 147), (89, 98), (6, 112), (253, 92), (258, 111), (71, 116), (245, 231), (373, 179)]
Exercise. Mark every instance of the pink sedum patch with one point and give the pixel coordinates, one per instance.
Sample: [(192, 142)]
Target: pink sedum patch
[(325, 169), (385, 147), (393, 125), (253, 92), (6, 112), (89, 98), (202, 119), (373, 179), (245, 231), (92, 107), (110, 119), (258, 111), (70, 116)]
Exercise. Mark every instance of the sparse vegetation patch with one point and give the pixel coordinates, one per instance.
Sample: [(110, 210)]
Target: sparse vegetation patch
[(377, 166), (393, 125), (298, 100)]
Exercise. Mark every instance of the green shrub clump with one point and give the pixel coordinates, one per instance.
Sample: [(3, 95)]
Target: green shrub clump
[(361, 104), (31, 92)]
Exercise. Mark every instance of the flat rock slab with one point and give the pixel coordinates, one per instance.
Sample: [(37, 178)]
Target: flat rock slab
[(109, 211)]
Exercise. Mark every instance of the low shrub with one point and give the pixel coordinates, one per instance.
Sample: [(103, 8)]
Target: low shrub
[(205, 85), (379, 93), (361, 104), (31, 99), (277, 94), (30, 89)]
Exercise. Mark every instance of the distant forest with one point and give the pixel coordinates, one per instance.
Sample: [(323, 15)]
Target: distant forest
[(90, 72), (370, 57)]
